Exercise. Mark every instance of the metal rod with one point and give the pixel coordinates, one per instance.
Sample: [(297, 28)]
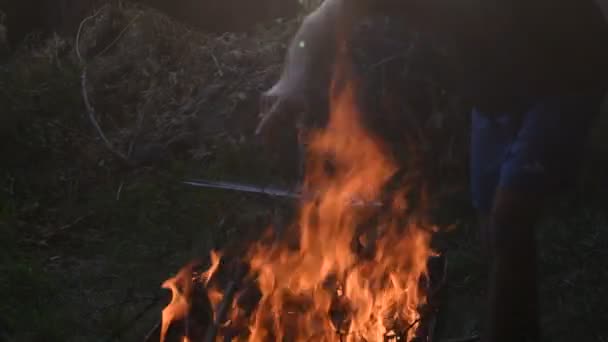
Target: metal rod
[(270, 191)]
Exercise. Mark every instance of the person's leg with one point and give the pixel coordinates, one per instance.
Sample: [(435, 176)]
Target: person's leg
[(491, 138), (542, 158), (512, 288)]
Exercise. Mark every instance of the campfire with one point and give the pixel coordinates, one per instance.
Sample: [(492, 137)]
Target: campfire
[(358, 271)]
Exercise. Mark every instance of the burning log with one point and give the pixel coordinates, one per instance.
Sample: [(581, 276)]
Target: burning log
[(222, 310)]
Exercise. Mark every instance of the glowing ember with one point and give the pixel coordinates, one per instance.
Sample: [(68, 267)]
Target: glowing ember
[(327, 290)]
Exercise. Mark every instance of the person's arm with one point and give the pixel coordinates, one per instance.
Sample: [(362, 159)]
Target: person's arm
[(312, 51), (310, 55), (468, 19), (313, 47), (316, 40), (307, 69)]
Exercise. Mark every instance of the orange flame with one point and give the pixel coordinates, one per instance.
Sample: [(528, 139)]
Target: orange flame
[(181, 294), (181, 287), (296, 304), (214, 294), (215, 257), (326, 290)]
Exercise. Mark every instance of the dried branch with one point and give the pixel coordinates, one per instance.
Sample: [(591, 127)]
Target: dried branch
[(67, 226), (119, 35), (119, 190), (224, 306), (154, 332), (139, 125), (128, 325), (217, 65), (92, 118), (83, 85), (79, 32)]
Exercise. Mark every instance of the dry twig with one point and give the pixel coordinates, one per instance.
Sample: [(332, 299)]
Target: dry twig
[(153, 332), (79, 32), (217, 65), (83, 85), (224, 305), (93, 119), (118, 36), (125, 327)]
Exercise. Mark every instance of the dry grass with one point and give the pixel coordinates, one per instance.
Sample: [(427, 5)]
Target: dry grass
[(156, 79)]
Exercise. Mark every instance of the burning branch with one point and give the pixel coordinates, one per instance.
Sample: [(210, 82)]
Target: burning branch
[(224, 306)]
